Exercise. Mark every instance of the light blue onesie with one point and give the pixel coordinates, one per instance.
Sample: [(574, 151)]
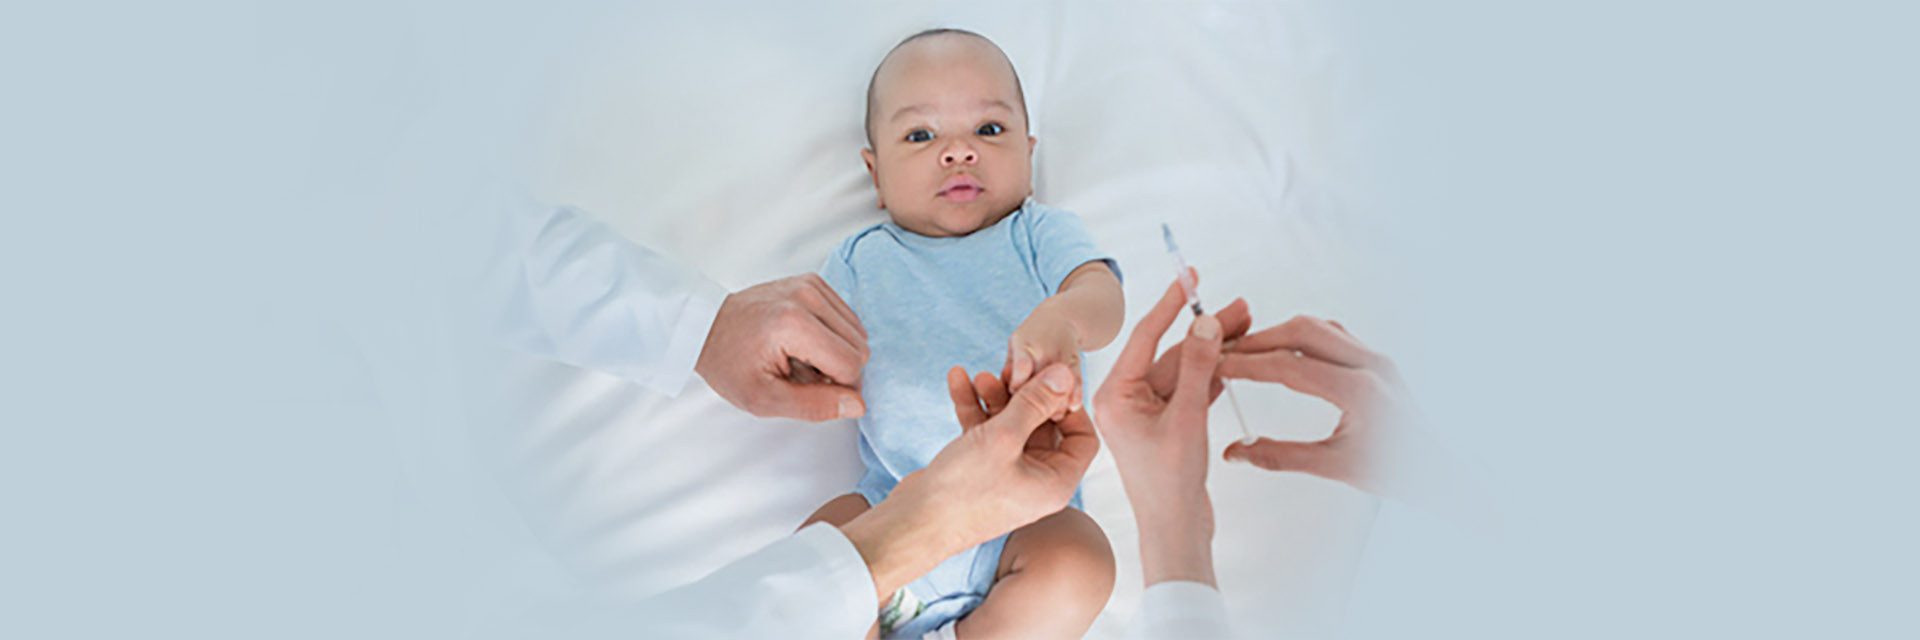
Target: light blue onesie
[(929, 304)]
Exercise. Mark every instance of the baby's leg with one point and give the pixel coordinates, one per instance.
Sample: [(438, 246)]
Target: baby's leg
[(1054, 578), (839, 511)]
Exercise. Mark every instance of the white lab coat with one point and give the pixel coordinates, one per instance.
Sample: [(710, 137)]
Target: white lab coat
[(569, 288), (573, 290), (814, 584)]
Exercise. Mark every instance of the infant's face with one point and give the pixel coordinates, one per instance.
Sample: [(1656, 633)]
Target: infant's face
[(951, 154)]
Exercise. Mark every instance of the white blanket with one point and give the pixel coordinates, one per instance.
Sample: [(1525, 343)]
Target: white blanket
[(729, 138)]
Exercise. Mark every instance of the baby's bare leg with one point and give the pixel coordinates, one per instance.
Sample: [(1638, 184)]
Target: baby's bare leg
[(1055, 576), (839, 511)]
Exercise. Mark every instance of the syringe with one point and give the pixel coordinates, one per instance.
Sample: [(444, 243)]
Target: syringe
[(1192, 290)]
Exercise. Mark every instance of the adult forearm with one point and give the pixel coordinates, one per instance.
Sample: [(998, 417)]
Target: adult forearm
[(1175, 551), (899, 546), (1176, 534)]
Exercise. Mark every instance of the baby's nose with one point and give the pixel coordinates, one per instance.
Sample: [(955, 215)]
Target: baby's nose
[(958, 155)]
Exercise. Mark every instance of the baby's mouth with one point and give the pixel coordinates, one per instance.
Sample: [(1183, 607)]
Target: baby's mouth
[(960, 188)]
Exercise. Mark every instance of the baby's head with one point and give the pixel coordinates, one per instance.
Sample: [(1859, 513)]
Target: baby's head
[(947, 141)]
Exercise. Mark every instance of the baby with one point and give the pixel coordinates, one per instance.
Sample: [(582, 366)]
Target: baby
[(968, 271)]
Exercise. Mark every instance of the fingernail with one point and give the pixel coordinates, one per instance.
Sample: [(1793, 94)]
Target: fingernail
[(1206, 327), (849, 407), (1058, 380)]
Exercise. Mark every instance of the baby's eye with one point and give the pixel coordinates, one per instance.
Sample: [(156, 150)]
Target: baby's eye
[(919, 135), (989, 129)]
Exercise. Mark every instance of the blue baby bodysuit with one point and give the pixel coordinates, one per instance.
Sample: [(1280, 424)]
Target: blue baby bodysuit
[(929, 304)]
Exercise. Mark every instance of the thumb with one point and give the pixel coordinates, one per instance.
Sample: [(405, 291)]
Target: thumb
[(814, 402), (1034, 403), (1199, 355), (1020, 369), (1277, 455)]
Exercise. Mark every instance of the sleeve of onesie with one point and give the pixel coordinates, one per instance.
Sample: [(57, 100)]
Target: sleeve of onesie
[(837, 271), (1061, 244)]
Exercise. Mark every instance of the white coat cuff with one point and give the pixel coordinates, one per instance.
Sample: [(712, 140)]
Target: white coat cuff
[(689, 337), (845, 572), (1181, 609)]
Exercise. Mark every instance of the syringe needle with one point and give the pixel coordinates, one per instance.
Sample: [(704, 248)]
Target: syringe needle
[(1246, 435), (1193, 302)]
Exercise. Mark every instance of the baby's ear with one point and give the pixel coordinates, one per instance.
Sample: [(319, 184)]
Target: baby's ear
[(866, 155), (1032, 143)]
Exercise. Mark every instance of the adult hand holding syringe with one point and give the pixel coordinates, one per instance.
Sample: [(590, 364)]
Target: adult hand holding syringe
[(1190, 284)]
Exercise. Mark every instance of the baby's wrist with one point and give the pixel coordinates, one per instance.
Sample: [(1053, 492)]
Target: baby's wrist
[(1057, 323)]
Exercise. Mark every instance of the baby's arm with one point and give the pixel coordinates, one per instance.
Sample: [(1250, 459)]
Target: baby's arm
[(1084, 314), (1090, 299)]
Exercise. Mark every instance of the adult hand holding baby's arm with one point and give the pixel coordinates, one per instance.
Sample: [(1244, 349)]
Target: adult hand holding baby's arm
[(1044, 339), (1083, 315), (989, 481), (771, 343)]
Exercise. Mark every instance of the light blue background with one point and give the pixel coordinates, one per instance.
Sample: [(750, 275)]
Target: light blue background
[(1663, 252)]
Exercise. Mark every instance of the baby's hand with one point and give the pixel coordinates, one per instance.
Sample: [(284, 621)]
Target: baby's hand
[(1046, 337)]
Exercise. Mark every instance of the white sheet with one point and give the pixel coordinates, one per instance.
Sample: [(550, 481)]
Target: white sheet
[(730, 139)]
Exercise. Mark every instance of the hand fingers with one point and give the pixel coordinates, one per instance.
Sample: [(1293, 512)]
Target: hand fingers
[(991, 392), (1033, 404), (1020, 369), (1234, 323), (1165, 370), (1235, 320), (1276, 455), (966, 403), (838, 305), (799, 372), (1043, 438), (848, 333), (820, 300), (1075, 449), (810, 402), (825, 351), (1197, 363), (1345, 387), (1342, 348), (1314, 336), (1136, 359)]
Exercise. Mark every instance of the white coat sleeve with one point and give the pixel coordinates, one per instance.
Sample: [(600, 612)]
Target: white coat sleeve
[(812, 584), (565, 286), (1180, 609)]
